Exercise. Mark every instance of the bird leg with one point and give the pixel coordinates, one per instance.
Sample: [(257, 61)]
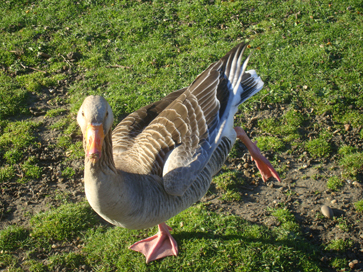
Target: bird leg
[(158, 246), (265, 167)]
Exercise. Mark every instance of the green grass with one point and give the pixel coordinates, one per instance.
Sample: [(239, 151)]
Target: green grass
[(136, 52), (228, 183), (63, 224), (30, 169), (359, 205), (339, 263), (6, 173), (270, 143), (343, 224), (13, 97), (351, 161), (339, 244), (346, 150), (287, 220), (15, 139), (12, 238), (55, 112), (206, 240), (288, 125), (68, 172), (7, 260), (334, 183), (320, 147), (352, 164), (217, 241)]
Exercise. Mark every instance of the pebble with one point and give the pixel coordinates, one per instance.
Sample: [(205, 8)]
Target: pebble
[(353, 263), (333, 201), (327, 211)]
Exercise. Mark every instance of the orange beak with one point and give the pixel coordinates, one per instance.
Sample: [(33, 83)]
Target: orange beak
[(94, 141)]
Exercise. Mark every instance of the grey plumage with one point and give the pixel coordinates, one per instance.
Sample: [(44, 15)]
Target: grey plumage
[(165, 154)]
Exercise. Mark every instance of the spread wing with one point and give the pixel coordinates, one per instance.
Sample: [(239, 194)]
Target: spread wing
[(176, 141)]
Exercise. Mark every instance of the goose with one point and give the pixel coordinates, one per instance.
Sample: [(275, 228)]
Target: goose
[(160, 159)]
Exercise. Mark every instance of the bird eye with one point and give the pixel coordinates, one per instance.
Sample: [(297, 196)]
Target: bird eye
[(106, 113), (82, 113)]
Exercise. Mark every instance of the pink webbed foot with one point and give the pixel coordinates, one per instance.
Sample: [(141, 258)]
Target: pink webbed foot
[(263, 165), (158, 246)]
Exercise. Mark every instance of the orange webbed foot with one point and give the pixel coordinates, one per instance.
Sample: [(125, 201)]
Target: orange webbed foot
[(158, 246)]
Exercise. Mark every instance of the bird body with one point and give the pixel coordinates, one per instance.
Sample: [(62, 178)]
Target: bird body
[(161, 159)]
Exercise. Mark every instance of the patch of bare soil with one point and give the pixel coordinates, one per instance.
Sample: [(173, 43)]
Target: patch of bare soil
[(19, 201), (299, 190)]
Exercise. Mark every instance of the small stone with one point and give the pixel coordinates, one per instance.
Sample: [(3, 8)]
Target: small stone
[(334, 201), (43, 55), (327, 211), (351, 265), (346, 127), (246, 165)]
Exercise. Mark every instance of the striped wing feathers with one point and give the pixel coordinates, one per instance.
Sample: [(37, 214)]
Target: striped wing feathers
[(175, 137)]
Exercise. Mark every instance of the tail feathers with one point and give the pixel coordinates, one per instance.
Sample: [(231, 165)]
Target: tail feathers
[(235, 72), (251, 84)]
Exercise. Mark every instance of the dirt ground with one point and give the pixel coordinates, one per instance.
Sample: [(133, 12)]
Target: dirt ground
[(300, 190)]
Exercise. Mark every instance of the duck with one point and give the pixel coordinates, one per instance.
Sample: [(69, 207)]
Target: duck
[(160, 159)]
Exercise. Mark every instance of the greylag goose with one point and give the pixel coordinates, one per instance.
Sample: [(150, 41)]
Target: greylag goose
[(161, 159)]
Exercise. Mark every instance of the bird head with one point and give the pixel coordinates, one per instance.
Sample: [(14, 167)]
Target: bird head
[(95, 118)]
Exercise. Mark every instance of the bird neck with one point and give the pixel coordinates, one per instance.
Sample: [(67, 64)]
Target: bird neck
[(106, 163), (104, 185)]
